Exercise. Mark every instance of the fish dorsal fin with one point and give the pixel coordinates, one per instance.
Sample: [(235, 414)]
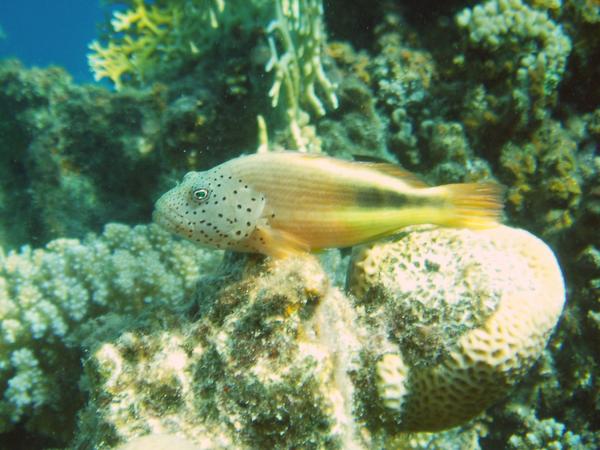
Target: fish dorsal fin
[(396, 171), (374, 163)]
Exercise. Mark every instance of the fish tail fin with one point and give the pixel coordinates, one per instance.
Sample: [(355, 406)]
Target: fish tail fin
[(473, 205)]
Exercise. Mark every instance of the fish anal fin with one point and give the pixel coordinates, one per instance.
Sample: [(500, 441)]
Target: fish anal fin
[(278, 243), (396, 171)]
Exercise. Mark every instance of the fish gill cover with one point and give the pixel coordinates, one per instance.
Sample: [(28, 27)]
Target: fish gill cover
[(110, 331)]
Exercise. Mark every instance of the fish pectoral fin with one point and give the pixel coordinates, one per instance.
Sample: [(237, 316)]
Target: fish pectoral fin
[(279, 243)]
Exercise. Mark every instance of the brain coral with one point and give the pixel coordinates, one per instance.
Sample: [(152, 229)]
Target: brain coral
[(461, 314)]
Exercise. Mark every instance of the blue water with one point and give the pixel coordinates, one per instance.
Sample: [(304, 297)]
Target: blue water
[(45, 32)]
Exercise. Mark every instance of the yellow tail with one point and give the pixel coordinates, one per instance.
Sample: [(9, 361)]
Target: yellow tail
[(473, 205)]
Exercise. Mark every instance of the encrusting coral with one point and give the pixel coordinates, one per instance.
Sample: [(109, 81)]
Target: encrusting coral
[(403, 76), (553, 167), (280, 358)]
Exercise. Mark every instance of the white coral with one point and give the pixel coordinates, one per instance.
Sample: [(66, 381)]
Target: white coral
[(47, 295)]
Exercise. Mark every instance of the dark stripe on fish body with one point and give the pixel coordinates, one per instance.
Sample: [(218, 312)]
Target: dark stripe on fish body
[(379, 198)]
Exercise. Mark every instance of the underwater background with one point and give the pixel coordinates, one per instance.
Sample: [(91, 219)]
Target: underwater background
[(40, 33), (112, 329)]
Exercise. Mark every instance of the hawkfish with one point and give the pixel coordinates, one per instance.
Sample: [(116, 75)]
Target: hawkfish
[(286, 203)]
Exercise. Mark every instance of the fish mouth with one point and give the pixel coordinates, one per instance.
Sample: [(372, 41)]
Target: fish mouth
[(170, 222)]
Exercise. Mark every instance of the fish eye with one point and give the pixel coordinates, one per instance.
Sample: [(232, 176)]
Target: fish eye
[(200, 195)]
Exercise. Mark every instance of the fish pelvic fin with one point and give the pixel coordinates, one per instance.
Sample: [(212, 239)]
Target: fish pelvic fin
[(473, 205), (278, 243)]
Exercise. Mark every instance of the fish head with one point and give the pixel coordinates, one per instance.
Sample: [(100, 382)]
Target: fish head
[(211, 208)]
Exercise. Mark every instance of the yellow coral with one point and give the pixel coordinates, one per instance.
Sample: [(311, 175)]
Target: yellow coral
[(109, 62), (147, 35), (142, 18), (133, 56)]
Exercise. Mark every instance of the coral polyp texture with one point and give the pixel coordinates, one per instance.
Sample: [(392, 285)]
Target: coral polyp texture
[(518, 33), (280, 358), (462, 316), (49, 296)]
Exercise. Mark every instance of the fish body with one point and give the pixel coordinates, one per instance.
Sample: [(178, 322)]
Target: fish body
[(282, 203)]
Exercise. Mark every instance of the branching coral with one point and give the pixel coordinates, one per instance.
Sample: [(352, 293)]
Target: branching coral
[(146, 30), (47, 295), (299, 31), (541, 433), (152, 39), (151, 34)]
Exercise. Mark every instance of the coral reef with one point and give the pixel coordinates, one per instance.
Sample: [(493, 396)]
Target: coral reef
[(154, 39), (489, 89), (49, 296), (356, 129), (263, 367), (402, 75), (29, 162), (553, 167), (529, 42), (581, 19), (546, 433), (279, 358), (99, 156), (451, 154)]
